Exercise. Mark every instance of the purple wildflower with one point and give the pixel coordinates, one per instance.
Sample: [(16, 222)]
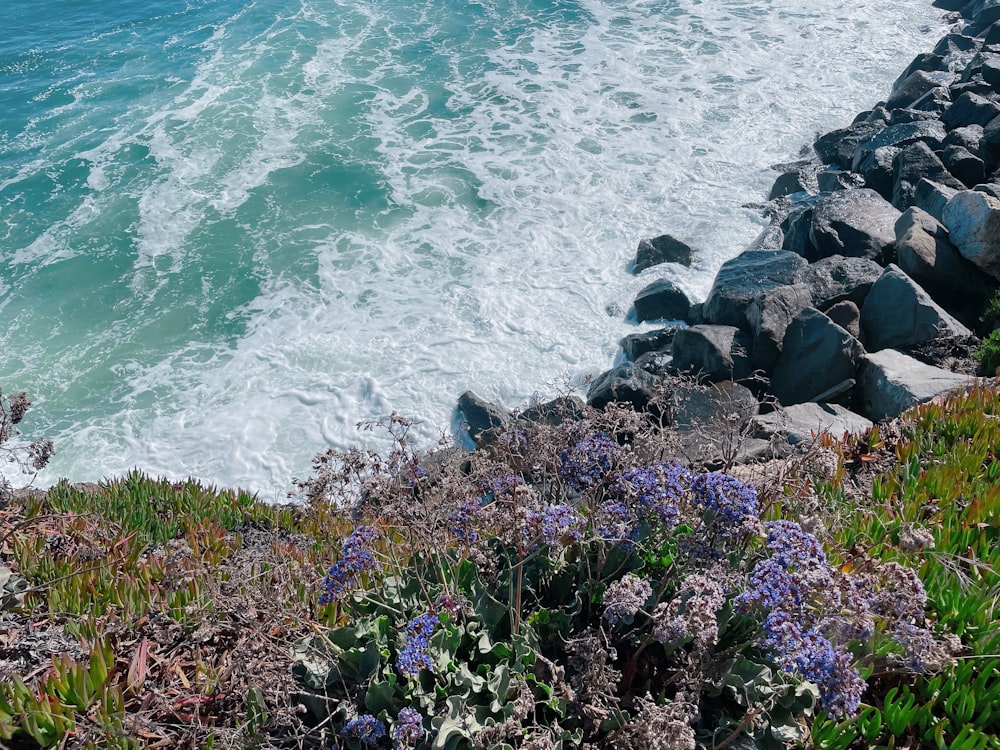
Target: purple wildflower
[(355, 558), (408, 729), (793, 576), (557, 524), (365, 728), (692, 613), (733, 504), (588, 462), (414, 657), (658, 488), (464, 520), (625, 597)]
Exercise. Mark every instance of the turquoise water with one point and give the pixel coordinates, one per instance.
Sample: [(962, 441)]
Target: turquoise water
[(231, 230)]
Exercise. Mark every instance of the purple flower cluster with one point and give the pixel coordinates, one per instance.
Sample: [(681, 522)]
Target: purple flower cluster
[(408, 729), (355, 558), (733, 504), (809, 654), (617, 522), (625, 597), (365, 728), (659, 488), (557, 524), (589, 462), (464, 520), (793, 575), (414, 655)]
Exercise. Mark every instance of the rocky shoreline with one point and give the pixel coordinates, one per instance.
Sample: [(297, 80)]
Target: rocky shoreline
[(863, 297)]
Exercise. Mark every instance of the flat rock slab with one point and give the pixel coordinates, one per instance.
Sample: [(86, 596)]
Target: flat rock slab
[(890, 382), (800, 423)]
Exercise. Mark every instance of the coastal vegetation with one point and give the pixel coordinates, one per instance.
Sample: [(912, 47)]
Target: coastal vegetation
[(565, 586)]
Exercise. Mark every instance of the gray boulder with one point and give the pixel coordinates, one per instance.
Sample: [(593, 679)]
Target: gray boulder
[(890, 382), (933, 197), (837, 278), (973, 222), (801, 423), (925, 254), (816, 355), (853, 223), (967, 168), (838, 146), (662, 249), (831, 180), (745, 277), (661, 300), (876, 170), (931, 132), (989, 145), (769, 315), (555, 412), (481, 418), (846, 315), (710, 421), (908, 90), (622, 384), (770, 238), (636, 344), (969, 109), (713, 352), (898, 313), (910, 165), (967, 137)]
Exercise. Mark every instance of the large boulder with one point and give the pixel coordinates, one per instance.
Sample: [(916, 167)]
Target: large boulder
[(636, 344), (930, 132), (973, 222), (837, 278), (967, 168), (622, 384), (846, 315), (898, 313), (932, 197), (769, 316), (661, 300), (742, 279), (890, 382), (853, 223), (801, 423), (712, 352), (662, 249), (481, 418), (910, 165), (970, 109), (925, 254), (838, 146), (555, 412), (816, 355), (908, 90)]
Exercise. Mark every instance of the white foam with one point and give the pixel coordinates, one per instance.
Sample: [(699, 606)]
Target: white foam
[(490, 244)]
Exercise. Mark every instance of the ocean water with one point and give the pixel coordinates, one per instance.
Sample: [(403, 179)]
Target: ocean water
[(230, 229)]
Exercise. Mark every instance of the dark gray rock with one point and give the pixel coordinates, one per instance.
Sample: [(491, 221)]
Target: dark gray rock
[(899, 313), (816, 355), (932, 197), (930, 132), (769, 239), (481, 417), (853, 223), (967, 168), (832, 180), (908, 90), (967, 137), (802, 423), (925, 254), (658, 364), (950, 44), (712, 352), (662, 249), (847, 315), (925, 61), (788, 184), (709, 421), (661, 300), (890, 382), (636, 344), (910, 165), (743, 278), (555, 412), (983, 13), (973, 221), (990, 71), (970, 109), (876, 170), (931, 106), (623, 384), (769, 315), (838, 146), (837, 278)]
